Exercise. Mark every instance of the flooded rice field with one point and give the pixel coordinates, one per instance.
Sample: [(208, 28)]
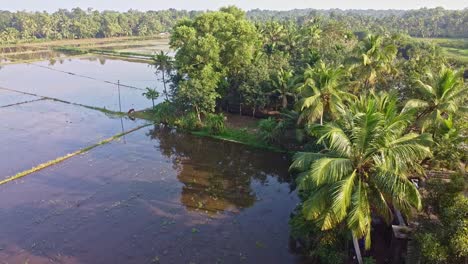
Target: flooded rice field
[(33, 55), (90, 81), (8, 98), (155, 196), (39, 131), (151, 196)]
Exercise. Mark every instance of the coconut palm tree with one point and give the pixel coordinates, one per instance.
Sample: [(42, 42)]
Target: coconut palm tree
[(442, 94), (365, 168), (163, 63), (322, 92), (376, 58), (151, 94), (284, 84)]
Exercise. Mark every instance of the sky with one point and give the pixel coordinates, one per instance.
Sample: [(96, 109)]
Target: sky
[(143, 5)]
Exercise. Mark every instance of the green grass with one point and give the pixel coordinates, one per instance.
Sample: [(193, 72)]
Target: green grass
[(455, 49), (145, 114), (237, 135), (241, 136)]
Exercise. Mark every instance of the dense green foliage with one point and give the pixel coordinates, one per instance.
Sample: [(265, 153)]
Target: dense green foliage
[(367, 163), (443, 233), (78, 23), (215, 123), (373, 112), (434, 22)]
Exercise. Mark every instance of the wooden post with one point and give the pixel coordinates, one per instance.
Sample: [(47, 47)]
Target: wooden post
[(120, 104)]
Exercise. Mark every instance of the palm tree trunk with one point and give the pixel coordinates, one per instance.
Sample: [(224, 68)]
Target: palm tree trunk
[(321, 119), (152, 100), (285, 102), (240, 104), (164, 83), (198, 113), (357, 249)]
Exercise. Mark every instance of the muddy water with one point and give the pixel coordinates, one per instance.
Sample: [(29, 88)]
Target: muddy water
[(153, 197), (84, 81), (40, 131)]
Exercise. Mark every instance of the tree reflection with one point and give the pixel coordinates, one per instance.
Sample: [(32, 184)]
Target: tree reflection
[(216, 175)]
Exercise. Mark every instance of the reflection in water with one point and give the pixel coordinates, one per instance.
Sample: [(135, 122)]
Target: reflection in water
[(38, 55), (162, 195), (100, 59), (217, 177), (79, 80)]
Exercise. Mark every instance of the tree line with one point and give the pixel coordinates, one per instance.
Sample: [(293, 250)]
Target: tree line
[(79, 23), (425, 22), (371, 113)]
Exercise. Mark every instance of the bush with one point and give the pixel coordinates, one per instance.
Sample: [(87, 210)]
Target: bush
[(431, 249), (327, 247), (269, 130), (165, 113), (215, 123), (189, 122), (444, 239)]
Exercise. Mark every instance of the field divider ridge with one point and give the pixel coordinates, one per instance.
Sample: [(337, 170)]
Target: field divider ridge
[(24, 102), (104, 110), (67, 156)]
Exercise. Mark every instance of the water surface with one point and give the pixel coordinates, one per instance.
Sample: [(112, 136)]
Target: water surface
[(40, 131), (154, 197), (9, 98), (89, 81)]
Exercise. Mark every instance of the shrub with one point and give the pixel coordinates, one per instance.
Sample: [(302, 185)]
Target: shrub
[(165, 113), (444, 239), (215, 123), (269, 130), (189, 121), (327, 247)]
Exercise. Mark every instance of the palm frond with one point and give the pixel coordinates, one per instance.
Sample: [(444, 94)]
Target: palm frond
[(415, 104), (302, 161), (342, 196), (329, 170)]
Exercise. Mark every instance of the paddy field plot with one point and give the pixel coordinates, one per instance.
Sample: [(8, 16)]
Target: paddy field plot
[(39, 131), (88, 81), (153, 195)]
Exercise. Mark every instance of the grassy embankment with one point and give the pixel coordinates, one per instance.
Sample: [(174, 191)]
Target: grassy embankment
[(114, 53), (242, 130)]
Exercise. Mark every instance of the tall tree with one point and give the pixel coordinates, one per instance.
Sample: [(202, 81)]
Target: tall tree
[(441, 94), (163, 64), (365, 168), (284, 83), (215, 44), (151, 94), (322, 92), (376, 59)]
